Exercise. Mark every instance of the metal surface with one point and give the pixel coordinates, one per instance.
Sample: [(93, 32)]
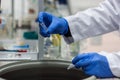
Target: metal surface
[(40, 70), (40, 38)]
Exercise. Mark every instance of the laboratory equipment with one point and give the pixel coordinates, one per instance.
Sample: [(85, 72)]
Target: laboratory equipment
[(41, 70), (4, 26), (52, 42), (70, 66), (16, 21), (2, 79)]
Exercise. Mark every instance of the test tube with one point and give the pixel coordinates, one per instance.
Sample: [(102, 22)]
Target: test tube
[(43, 26)]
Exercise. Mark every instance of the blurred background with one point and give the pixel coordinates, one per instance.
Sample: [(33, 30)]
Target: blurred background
[(19, 33), (20, 39)]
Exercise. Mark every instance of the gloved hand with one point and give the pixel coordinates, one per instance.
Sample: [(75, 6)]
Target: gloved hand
[(93, 64), (54, 24)]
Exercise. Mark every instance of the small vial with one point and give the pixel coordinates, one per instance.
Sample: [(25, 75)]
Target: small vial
[(43, 26)]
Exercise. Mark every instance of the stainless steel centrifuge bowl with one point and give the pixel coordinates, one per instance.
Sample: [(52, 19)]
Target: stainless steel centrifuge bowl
[(40, 70)]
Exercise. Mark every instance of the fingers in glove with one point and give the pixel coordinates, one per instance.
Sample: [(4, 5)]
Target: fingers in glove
[(79, 57), (82, 63), (44, 32)]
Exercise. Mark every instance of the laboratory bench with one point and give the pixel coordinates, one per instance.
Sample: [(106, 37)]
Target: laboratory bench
[(18, 49)]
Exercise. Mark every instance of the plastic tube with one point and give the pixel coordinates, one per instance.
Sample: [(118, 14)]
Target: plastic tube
[(43, 26), (70, 66)]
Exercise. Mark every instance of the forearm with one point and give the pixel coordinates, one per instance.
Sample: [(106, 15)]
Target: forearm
[(93, 22), (113, 60)]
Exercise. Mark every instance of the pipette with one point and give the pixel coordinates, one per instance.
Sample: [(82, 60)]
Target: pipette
[(70, 66)]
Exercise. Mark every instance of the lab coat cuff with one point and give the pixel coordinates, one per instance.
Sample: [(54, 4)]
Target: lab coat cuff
[(76, 36), (113, 60), (68, 40)]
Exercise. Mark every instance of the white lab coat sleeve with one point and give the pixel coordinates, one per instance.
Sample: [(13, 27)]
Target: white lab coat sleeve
[(95, 21), (113, 60)]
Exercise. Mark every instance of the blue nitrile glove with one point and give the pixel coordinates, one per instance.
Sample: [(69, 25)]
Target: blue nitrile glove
[(54, 24), (93, 64)]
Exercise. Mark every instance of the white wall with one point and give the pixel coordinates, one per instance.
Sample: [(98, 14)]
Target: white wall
[(77, 5), (6, 6)]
